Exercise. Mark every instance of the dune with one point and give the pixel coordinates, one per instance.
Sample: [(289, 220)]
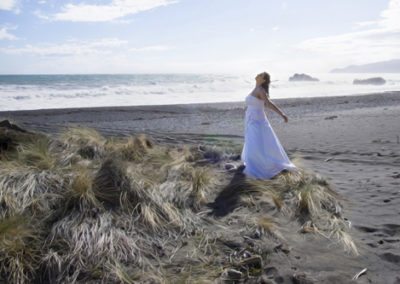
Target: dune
[(80, 207)]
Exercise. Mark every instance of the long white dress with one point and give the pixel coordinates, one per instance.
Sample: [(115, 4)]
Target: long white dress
[(262, 154)]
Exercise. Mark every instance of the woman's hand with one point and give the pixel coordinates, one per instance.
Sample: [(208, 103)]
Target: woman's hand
[(285, 118)]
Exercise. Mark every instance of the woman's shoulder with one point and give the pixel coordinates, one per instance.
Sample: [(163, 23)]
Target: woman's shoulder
[(260, 92)]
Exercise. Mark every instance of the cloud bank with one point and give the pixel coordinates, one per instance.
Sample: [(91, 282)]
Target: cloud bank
[(377, 40), (69, 48), (104, 13)]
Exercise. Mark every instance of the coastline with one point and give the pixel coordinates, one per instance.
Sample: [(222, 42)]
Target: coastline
[(207, 118), (353, 141)]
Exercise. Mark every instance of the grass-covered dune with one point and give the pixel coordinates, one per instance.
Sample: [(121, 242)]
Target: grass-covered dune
[(78, 207)]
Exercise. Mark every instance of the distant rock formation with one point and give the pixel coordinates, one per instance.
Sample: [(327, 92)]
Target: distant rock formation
[(390, 66), (370, 81), (302, 77)]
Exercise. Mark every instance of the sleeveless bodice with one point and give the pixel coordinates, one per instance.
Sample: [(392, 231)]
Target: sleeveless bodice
[(254, 102), (255, 109)]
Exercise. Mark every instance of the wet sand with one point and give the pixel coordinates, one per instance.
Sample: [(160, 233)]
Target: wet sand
[(354, 141)]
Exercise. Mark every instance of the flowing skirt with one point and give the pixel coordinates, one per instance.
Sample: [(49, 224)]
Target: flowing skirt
[(262, 154)]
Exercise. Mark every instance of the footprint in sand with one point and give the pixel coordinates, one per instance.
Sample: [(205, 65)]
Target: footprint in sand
[(366, 229), (390, 257)]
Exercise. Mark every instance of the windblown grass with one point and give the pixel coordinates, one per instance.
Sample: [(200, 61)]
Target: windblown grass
[(78, 143), (123, 210), (82, 137), (119, 273), (309, 199), (89, 241), (26, 190), (20, 249), (36, 154), (81, 192)]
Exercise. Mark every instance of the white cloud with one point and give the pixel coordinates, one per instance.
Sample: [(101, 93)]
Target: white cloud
[(275, 29), (150, 48), (377, 40), (102, 13), (70, 48), (391, 16), (9, 5), (5, 35)]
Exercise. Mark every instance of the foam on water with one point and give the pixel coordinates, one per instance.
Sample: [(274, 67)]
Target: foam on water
[(21, 92)]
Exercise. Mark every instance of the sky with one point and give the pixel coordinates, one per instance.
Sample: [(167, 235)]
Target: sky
[(195, 36)]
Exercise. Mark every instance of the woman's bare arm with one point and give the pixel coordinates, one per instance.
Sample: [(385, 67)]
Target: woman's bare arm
[(268, 103), (275, 108)]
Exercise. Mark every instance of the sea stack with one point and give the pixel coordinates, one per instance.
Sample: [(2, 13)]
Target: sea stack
[(370, 81), (302, 78)]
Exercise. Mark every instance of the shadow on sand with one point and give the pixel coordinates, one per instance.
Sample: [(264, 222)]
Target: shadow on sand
[(229, 198)]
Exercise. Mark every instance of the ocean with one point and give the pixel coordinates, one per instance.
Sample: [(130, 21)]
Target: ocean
[(25, 92)]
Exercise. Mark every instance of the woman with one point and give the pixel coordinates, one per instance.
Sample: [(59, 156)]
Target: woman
[(263, 154)]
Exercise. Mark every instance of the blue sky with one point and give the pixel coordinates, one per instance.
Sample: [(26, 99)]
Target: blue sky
[(196, 36)]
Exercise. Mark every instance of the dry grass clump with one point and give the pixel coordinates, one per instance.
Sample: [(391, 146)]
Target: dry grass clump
[(120, 273), (26, 190), (188, 186), (80, 142), (81, 192), (313, 201), (82, 136), (111, 184), (35, 154), (11, 136), (80, 245), (124, 210), (133, 149), (20, 249), (202, 180), (267, 224)]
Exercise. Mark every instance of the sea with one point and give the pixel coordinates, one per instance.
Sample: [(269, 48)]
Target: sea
[(28, 92)]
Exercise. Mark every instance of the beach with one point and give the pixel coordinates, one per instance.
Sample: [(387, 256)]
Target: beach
[(352, 141)]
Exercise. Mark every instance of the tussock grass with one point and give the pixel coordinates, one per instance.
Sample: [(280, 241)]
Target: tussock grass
[(79, 142), (187, 186), (126, 210), (36, 154), (26, 190), (82, 136), (81, 192), (119, 273), (132, 149), (87, 242), (267, 224), (11, 136), (20, 254), (111, 185), (309, 199), (338, 230), (202, 181)]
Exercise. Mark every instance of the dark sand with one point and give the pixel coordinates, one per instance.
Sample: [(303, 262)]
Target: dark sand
[(352, 140)]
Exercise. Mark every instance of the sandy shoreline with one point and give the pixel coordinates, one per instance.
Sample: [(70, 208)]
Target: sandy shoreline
[(351, 140), (212, 118)]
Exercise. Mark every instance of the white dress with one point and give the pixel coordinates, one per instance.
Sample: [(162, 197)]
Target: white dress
[(262, 154)]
